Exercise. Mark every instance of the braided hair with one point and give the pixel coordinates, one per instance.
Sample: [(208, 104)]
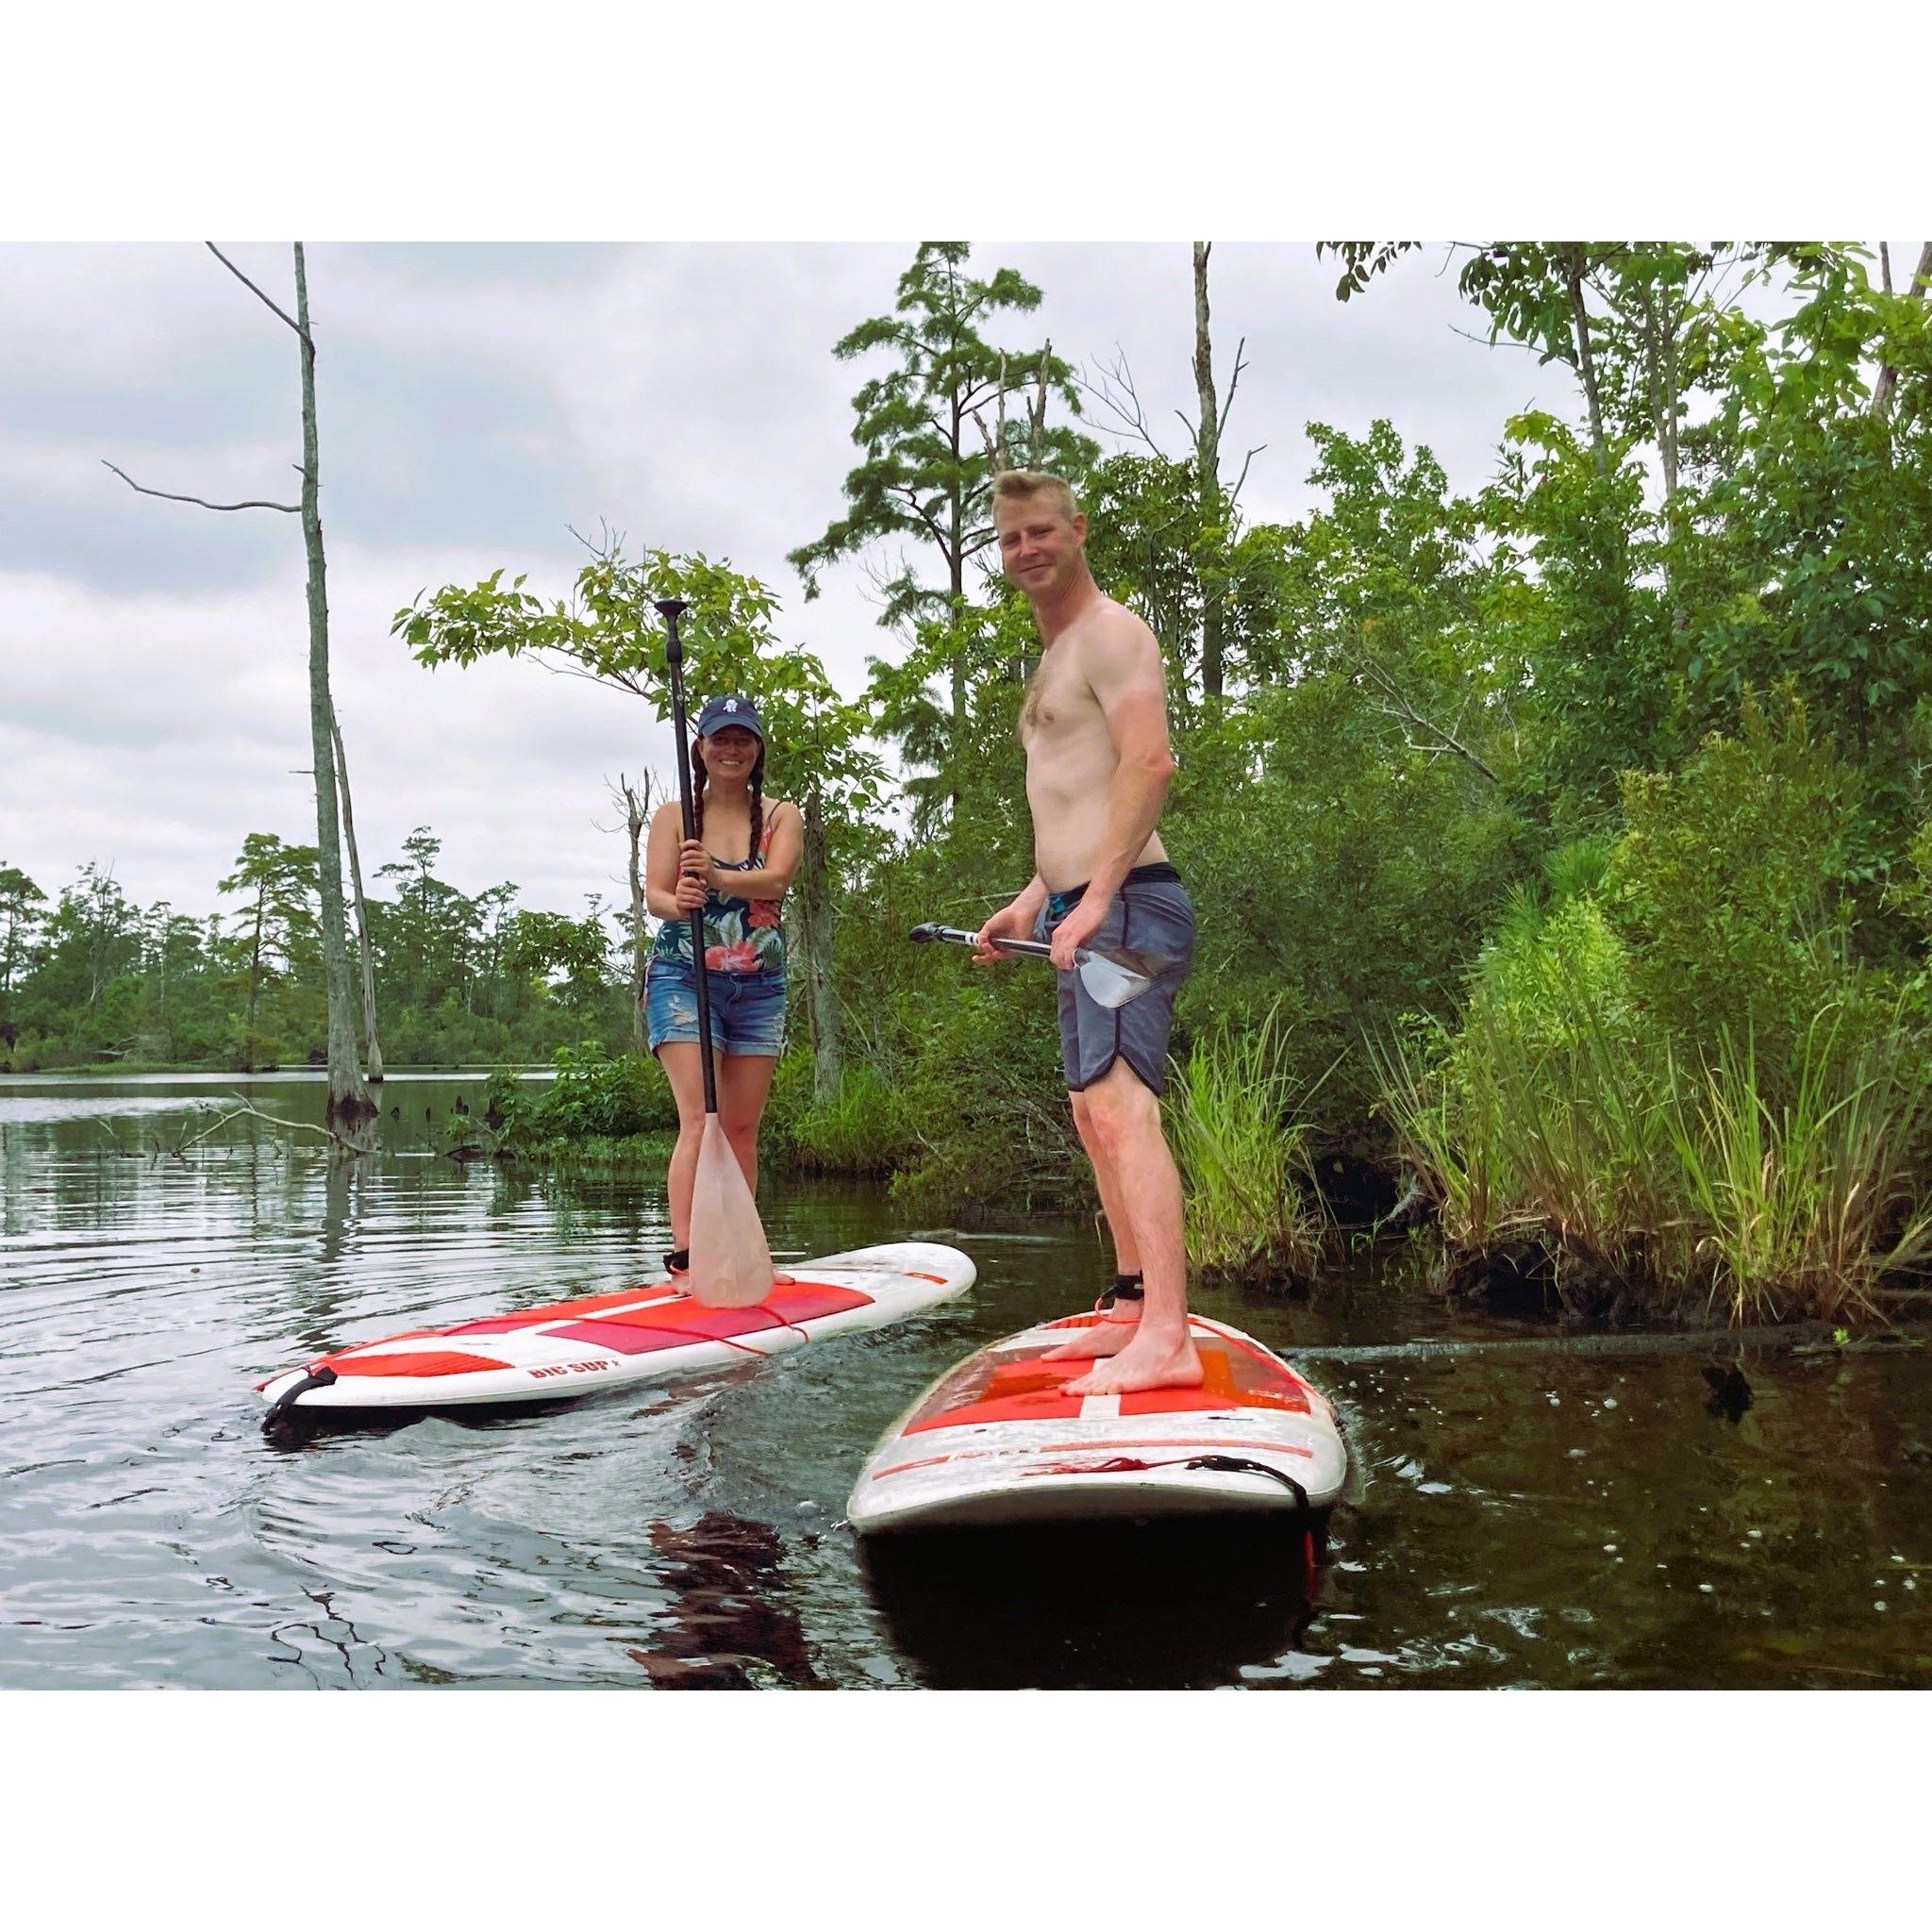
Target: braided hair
[(699, 774)]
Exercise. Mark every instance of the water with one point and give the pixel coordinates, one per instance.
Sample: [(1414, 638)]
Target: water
[(1544, 1521)]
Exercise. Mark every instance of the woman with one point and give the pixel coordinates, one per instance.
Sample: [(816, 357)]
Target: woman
[(738, 867)]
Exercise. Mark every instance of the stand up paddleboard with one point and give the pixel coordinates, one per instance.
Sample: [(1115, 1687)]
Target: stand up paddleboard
[(652, 1334), (998, 1440)]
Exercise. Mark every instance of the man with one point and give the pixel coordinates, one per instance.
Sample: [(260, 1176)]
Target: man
[(1094, 727)]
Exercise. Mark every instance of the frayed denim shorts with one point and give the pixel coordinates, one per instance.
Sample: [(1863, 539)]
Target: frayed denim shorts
[(747, 1008)]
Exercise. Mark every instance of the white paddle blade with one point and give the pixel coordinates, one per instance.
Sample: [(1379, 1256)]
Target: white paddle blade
[(1107, 982), (730, 1264)]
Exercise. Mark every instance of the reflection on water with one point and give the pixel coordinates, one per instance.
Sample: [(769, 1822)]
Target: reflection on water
[(1543, 1520), (1106, 1607)]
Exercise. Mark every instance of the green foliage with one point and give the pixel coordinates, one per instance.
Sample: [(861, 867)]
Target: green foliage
[(1237, 1118), (1733, 881), (863, 1128), (20, 901), (593, 1094), (1567, 1115), (109, 981), (608, 630)]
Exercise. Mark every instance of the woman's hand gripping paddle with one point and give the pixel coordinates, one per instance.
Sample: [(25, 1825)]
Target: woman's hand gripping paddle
[(1111, 974), (730, 1264)]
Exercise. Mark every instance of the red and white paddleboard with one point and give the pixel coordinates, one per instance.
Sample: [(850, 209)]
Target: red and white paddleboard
[(999, 1441), (652, 1334)]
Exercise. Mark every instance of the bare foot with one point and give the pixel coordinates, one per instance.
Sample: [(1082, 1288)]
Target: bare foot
[(1107, 1336), (1150, 1361)]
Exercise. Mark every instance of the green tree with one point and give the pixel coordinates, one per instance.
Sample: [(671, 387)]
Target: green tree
[(930, 453), (578, 951), (608, 630), (20, 916), (280, 884)]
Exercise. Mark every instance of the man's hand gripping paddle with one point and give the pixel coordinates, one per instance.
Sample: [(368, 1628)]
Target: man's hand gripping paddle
[(730, 1264), (1111, 974)]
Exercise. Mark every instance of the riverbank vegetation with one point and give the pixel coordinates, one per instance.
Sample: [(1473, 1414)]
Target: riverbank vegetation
[(1563, 845)]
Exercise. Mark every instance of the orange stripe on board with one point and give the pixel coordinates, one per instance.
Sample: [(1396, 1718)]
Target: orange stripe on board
[(1118, 1442)]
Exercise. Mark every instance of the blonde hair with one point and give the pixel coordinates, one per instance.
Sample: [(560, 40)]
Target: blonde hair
[(1010, 486)]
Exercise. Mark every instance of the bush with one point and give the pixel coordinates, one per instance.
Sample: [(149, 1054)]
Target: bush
[(1733, 885), (593, 1096), (863, 1128)]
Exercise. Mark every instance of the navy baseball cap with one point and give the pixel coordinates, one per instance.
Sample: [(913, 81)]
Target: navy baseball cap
[(719, 712)]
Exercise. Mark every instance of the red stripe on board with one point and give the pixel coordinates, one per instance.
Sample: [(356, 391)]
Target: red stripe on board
[(685, 1323), (434, 1362), (561, 1311)]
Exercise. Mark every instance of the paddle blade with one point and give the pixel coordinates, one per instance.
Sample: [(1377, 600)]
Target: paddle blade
[(1111, 982), (730, 1264)]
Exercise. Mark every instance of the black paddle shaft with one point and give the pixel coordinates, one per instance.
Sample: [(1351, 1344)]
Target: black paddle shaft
[(669, 610)]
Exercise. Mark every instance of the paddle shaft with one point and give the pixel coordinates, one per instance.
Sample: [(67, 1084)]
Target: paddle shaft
[(669, 610), (1036, 949)]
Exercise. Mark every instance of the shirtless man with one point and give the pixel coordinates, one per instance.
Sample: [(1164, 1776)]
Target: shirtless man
[(1094, 726)]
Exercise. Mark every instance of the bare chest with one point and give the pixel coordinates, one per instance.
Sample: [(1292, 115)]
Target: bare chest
[(1059, 705)]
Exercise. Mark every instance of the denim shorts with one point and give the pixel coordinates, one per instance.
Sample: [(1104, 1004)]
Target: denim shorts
[(747, 1008), (1151, 913)]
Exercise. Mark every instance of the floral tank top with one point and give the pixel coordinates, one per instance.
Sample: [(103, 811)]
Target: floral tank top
[(741, 935)]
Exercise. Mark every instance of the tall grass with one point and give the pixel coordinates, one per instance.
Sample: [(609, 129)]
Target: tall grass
[(1241, 1142), (1645, 1174), (1807, 1198), (1446, 1129)]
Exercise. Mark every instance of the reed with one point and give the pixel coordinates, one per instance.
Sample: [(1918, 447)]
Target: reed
[(1641, 1172), (1804, 1192), (1240, 1139)]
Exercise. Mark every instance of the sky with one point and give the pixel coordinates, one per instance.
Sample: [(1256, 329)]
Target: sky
[(477, 404)]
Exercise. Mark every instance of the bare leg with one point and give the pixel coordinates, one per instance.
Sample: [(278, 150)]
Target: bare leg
[(1125, 1118), (1112, 1333), (679, 1058), (745, 1084)]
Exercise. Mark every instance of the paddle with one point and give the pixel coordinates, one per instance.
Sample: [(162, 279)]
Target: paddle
[(1111, 974), (730, 1264)]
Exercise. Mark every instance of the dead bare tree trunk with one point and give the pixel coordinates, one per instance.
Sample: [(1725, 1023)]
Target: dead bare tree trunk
[(1208, 465), (816, 933), (1888, 377), (637, 810), (350, 1113), (374, 1061)]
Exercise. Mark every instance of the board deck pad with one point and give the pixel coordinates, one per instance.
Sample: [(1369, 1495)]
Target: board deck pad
[(1000, 1439), (651, 1333)]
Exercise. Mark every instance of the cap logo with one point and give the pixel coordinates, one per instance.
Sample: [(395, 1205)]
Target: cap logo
[(731, 703)]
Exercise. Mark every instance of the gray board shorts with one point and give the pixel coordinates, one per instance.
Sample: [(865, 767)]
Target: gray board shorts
[(1151, 913)]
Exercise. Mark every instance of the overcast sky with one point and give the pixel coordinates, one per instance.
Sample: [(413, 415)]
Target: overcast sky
[(475, 403)]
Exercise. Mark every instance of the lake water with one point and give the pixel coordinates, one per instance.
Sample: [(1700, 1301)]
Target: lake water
[(1572, 1521)]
